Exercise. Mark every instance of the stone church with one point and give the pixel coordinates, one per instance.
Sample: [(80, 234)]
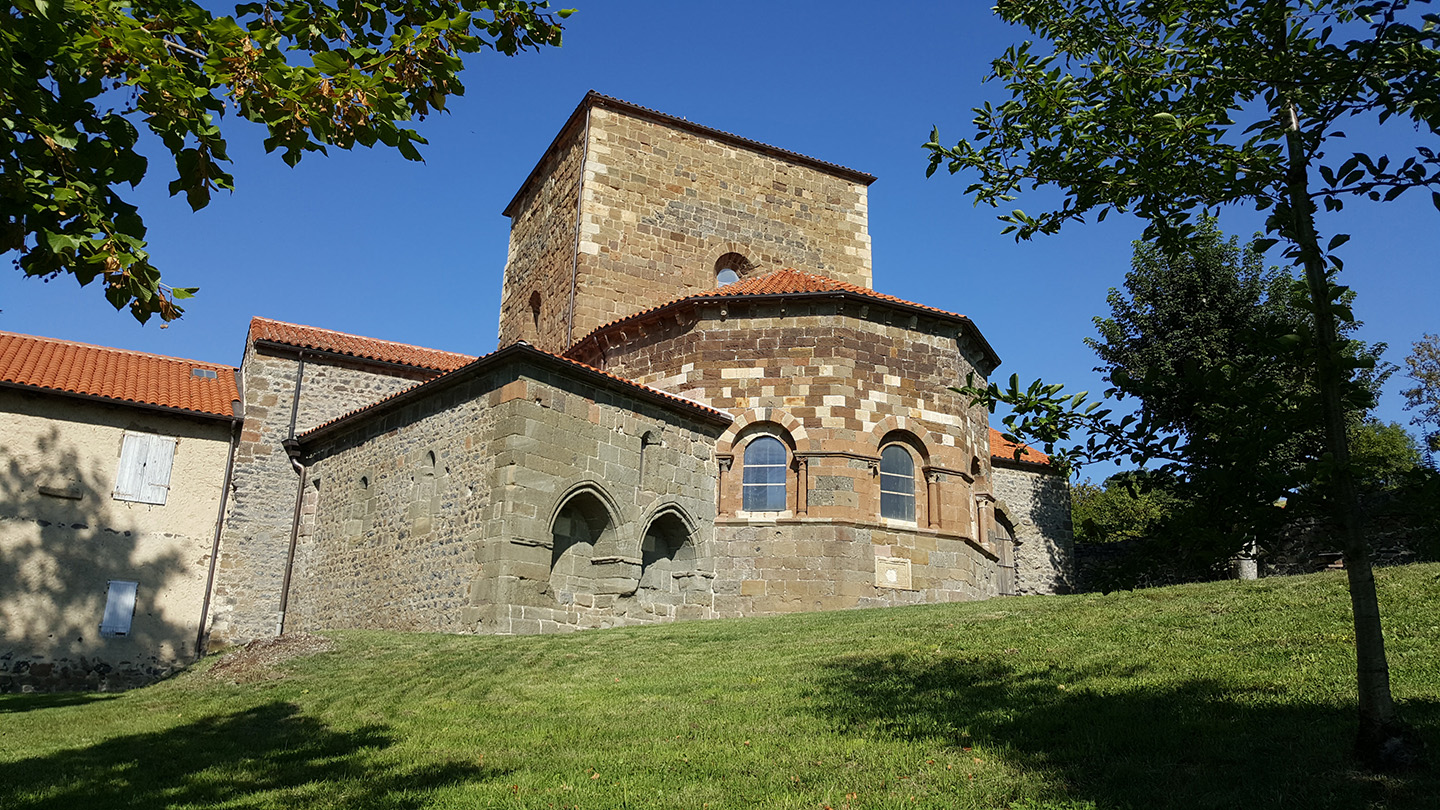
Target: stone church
[(700, 408)]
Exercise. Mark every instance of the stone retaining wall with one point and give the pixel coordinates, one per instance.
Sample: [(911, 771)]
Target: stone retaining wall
[(1039, 502)]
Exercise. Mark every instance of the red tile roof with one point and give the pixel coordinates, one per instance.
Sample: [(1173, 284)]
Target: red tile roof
[(440, 381), (385, 351), (790, 282), (1002, 449), (787, 282), (117, 374)]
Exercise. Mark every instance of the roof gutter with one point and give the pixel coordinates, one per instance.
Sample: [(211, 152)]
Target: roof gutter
[(202, 633), (293, 450)]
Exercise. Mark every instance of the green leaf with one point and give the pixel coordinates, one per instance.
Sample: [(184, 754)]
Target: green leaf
[(331, 62)]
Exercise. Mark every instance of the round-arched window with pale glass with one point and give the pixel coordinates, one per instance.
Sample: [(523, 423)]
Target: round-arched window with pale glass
[(897, 483), (766, 464)]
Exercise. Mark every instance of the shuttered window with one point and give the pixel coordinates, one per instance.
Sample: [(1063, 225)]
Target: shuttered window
[(144, 474), (119, 608)]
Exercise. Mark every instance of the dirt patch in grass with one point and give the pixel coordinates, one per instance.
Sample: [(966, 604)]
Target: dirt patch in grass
[(260, 660)]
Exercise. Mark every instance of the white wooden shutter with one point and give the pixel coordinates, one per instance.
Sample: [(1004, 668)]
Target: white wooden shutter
[(144, 475), (134, 453), (157, 470), (119, 608)]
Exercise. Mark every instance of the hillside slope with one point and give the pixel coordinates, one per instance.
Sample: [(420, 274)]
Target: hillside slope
[(1217, 695)]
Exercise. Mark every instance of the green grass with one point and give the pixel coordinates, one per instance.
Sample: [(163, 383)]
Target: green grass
[(1233, 695)]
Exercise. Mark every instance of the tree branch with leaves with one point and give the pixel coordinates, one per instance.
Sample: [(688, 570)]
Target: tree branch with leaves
[(79, 77), (1169, 108)]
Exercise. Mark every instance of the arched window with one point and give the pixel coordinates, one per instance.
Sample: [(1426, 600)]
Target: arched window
[(897, 483), (730, 267), (765, 472)]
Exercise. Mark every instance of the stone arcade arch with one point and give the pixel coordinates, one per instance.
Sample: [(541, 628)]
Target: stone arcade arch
[(583, 522), (667, 548)]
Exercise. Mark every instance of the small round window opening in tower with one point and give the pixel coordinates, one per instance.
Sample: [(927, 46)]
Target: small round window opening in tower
[(730, 268)]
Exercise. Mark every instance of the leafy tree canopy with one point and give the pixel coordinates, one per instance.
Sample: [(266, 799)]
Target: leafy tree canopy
[(78, 77), (1131, 505), (1385, 455), (1423, 366)]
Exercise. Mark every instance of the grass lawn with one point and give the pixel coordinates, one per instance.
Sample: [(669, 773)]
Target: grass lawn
[(1227, 695)]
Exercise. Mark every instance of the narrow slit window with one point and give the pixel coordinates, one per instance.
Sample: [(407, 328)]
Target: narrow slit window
[(119, 608), (897, 483), (765, 472)]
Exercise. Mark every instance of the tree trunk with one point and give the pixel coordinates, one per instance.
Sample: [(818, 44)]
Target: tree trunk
[(1383, 740)]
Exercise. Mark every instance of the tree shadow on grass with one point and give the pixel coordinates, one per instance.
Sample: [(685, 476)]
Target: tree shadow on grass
[(268, 756), (1180, 744), (18, 704)]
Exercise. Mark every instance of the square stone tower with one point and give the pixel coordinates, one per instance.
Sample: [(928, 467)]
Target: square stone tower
[(630, 208)]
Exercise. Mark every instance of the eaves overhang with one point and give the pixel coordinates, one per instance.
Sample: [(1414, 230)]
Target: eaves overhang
[(971, 330)]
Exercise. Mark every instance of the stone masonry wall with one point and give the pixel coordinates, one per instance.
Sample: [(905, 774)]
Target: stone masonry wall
[(836, 382), (256, 539), (847, 374), (389, 542), (1044, 550), (524, 458), (584, 481), (661, 205), (789, 566), (542, 250)]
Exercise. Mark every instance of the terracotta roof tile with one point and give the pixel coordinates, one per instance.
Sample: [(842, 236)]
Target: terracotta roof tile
[(443, 378), (1002, 449), (780, 282), (791, 281), (385, 351), (118, 374)]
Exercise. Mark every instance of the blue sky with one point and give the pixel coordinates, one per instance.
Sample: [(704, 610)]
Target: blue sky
[(367, 242)]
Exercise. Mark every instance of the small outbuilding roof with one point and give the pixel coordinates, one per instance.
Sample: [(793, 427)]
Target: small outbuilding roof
[(118, 375), (364, 348), (1003, 449)]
